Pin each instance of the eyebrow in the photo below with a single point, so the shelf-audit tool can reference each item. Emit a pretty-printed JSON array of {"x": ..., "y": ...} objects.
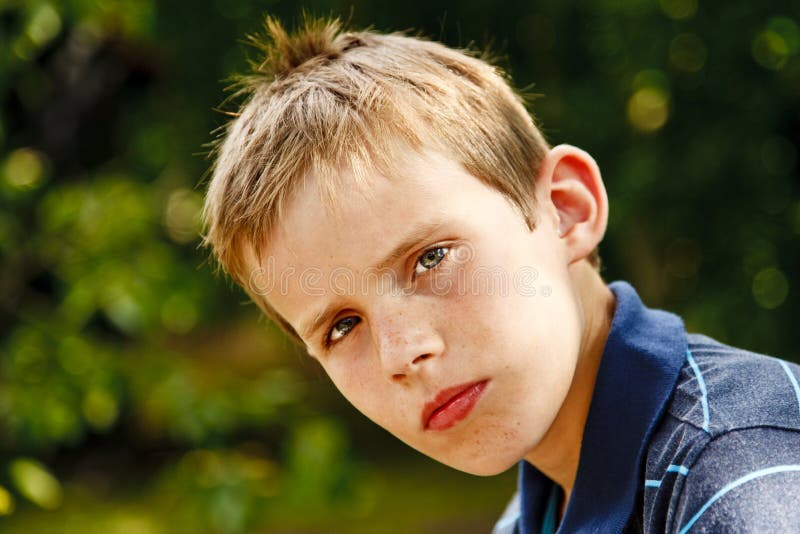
[{"x": 417, "y": 234}]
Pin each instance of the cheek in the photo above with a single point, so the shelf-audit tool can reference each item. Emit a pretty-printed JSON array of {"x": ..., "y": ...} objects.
[
  {"x": 375, "y": 399},
  {"x": 363, "y": 385},
  {"x": 465, "y": 323},
  {"x": 532, "y": 334},
  {"x": 352, "y": 381}
]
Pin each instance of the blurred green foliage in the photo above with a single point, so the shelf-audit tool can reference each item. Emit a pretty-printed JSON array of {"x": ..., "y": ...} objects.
[{"x": 138, "y": 395}]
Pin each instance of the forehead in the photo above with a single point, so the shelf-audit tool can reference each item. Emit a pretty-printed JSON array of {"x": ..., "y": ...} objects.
[{"x": 354, "y": 218}]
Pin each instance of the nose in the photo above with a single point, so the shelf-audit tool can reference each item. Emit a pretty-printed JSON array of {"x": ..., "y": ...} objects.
[{"x": 406, "y": 340}]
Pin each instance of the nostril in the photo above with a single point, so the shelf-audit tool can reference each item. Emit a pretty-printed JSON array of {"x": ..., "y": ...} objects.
[{"x": 421, "y": 358}]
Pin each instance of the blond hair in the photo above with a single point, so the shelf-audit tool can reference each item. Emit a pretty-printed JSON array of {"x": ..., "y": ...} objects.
[{"x": 324, "y": 100}]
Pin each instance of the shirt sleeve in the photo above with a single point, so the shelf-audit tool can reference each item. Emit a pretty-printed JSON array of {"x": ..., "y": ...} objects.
[{"x": 744, "y": 481}]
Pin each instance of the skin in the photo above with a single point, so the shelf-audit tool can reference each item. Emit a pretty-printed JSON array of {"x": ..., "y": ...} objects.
[{"x": 393, "y": 351}]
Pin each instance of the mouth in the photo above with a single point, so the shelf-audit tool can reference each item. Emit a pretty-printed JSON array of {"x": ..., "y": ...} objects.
[{"x": 451, "y": 405}]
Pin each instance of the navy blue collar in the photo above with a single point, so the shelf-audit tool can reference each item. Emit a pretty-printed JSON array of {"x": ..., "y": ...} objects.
[{"x": 640, "y": 365}]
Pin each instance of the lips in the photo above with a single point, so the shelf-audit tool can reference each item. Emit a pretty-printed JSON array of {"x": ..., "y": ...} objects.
[{"x": 451, "y": 405}]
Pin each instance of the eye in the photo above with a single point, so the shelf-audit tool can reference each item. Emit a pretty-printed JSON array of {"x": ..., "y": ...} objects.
[
  {"x": 430, "y": 259},
  {"x": 340, "y": 329}
]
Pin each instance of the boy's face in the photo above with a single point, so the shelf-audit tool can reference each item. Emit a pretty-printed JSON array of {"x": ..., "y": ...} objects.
[{"x": 468, "y": 354}]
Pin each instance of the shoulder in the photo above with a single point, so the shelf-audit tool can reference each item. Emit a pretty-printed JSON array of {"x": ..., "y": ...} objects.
[
  {"x": 722, "y": 388},
  {"x": 728, "y": 445}
]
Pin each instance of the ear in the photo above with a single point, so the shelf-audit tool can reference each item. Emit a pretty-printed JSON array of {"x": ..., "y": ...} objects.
[{"x": 569, "y": 181}]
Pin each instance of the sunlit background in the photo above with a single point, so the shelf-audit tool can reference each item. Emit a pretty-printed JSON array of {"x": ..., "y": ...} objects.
[{"x": 141, "y": 394}]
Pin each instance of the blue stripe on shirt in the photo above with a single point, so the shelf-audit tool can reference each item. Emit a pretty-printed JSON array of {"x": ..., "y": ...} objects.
[
  {"x": 736, "y": 483},
  {"x": 680, "y": 469},
  {"x": 793, "y": 381},
  {"x": 704, "y": 399}
]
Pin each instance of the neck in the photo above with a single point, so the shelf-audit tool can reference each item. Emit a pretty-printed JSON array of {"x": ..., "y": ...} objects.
[{"x": 557, "y": 454}]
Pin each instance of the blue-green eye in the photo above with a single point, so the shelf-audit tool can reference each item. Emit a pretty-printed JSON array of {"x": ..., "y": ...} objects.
[
  {"x": 341, "y": 329},
  {"x": 430, "y": 259}
]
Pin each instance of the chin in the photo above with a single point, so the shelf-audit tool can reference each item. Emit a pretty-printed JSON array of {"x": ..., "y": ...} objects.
[
  {"x": 485, "y": 467},
  {"x": 490, "y": 453}
]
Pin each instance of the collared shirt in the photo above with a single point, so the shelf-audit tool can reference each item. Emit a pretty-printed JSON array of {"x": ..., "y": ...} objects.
[{"x": 684, "y": 434}]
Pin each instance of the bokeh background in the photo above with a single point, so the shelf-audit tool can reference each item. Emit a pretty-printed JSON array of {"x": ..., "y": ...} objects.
[{"x": 139, "y": 393}]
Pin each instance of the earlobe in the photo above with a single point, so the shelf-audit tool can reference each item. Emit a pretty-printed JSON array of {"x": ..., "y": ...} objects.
[{"x": 571, "y": 179}]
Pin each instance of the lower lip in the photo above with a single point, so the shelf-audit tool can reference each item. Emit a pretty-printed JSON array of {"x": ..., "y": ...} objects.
[{"x": 456, "y": 408}]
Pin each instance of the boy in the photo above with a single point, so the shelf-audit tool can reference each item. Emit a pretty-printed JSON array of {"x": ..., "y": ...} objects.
[{"x": 390, "y": 203}]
